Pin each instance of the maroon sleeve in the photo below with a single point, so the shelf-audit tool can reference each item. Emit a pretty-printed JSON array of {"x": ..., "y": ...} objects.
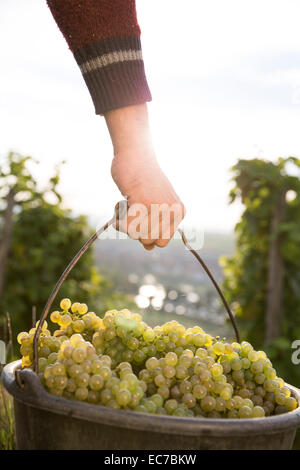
[{"x": 104, "y": 37}]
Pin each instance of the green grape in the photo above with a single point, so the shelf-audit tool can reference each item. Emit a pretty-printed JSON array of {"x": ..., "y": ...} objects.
[
  {"x": 220, "y": 404},
  {"x": 243, "y": 392},
  {"x": 181, "y": 372},
  {"x": 127, "y": 355},
  {"x": 152, "y": 363},
  {"x": 236, "y": 364},
  {"x": 164, "y": 392},
  {"x": 82, "y": 380},
  {"x": 290, "y": 403},
  {"x": 201, "y": 353},
  {"x": 148, "y": 335},
  {"x": 189, "y": 400},
  {"x": 75, "y": 339},
  {"x": 150, "y": 406},
  {"x": 171, "y": 405},
  {"x": 238, "y": 401},
  {"x": 157, "y": 399},
  {"x": 86, "y": 366},
  {"x": 230, "y": 404},
  {"x": 71, "y": 385},
  {"x": 81, "y": 394},
  {"x": 286, "y": 391},
  {"x": 245, "y": 363},
  {"x": 58, "y": 369},
  {"x": 257, "y": 400},
  {"x": 248, "y": 402},
  {"x": 169, "y": 372},
  {"x": 79, "y": 355},
  {"x": 179, "y": 412},
  {"x": 259, "y": 378},
  {"x": 219, "y": 348},
  {"x": 226, "y": 366},
  {"x": 248, "y": 374},
  {"x": 93, "y": 397},
  {"x": 256, "y": 367},
  {"x": 270, "y": 373},
  {"x": 280, "y": 398},
  {"x": 139, "y": 356},
  {"x": 123, "y": 397},
  {"x": 269, "y": 405},
  {"x": 245, "y": 412},
  {"x": 60, "y": 382},
  {"x": 250, "y": 385},
  {"x": 185, "y": 387},
  {"x": 44, "y": 351},
  {"x": 185, "y": 360},
  {"x": 105, "y": 396},
  {"x": 208, "y": 403},
  {"x": 145, "y": 375},
  {"x": 253, "y": 356},
  {"x": 78, "y": 326},
  {"x": 140, "y": 409},
  {"x": 199, "y": 391},
  {"x": 65, "y": 320},
  {"x": 233, "y": 414},
  {"x": 216, "y": 370},
  {"x": 194, "y": 379},
  {"x": 55, "y": 317},
  {"x": 205, "y": 376},
  {"x": 160, "y": 411},
  {"x": 49, "y": 382},
  {"x": 238, "y": 376},
  {"x": 159, "y": 380},
  {"x": 218, "y": 387},
  {"x": 65, "y": 304},
  {"x": 280, "y": 410},
  {"x": 105, "y": 372},
  {"x": 67, "y": 351},
  {"x": 42, "y": 362},
  {"x": 271, "y": 385},
  {"x": 226, "y": 393},
  {"x": 171, "y": 359},
  {"x": 199, "y": 340},
  {"x": 75, "y": 370}
]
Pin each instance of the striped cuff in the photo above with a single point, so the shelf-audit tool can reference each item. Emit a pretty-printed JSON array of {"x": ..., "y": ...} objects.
[{"x": 113, "y": 70}]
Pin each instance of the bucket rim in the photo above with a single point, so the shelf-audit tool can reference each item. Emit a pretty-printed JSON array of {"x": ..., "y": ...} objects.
[{"x": 35, "y": 395}]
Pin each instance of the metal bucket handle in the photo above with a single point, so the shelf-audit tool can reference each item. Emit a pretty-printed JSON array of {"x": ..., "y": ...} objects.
[{"x": 118, "y": 209}]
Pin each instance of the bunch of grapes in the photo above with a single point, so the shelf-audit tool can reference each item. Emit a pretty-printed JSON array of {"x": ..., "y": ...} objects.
[{"x": 120, "y": 362}]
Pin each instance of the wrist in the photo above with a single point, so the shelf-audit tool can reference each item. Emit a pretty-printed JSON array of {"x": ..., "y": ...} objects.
[{"x": 129, "y": 130}]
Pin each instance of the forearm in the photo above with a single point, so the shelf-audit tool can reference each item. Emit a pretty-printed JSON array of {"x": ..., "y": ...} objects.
[{"x": 104, "y": 37}]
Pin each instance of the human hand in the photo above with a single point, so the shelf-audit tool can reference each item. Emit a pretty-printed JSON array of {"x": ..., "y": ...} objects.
[{"x": 154, "y": 208}]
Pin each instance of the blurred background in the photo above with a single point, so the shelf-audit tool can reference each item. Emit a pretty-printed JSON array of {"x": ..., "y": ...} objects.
[{"x": 225, "y": 80}]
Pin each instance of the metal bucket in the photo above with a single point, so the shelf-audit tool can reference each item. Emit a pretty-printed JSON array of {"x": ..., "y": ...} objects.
[{"x": 44, "y": 421}]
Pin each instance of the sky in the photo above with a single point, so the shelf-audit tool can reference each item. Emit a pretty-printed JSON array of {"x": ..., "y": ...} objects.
[{"x": 225, "y": 80}]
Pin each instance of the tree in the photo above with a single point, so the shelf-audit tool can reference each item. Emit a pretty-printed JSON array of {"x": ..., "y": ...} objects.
[
  {"x": 262, "y": 278},
  {"x": 17, "y": 188},
  {"x": 43, "y": 238}
]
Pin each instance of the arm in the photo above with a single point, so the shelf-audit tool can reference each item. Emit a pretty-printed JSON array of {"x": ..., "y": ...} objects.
[{"x": 104, "y": 37}]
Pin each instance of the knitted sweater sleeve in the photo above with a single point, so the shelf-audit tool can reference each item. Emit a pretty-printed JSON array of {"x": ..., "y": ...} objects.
[{"x": 104, "y": 37}]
